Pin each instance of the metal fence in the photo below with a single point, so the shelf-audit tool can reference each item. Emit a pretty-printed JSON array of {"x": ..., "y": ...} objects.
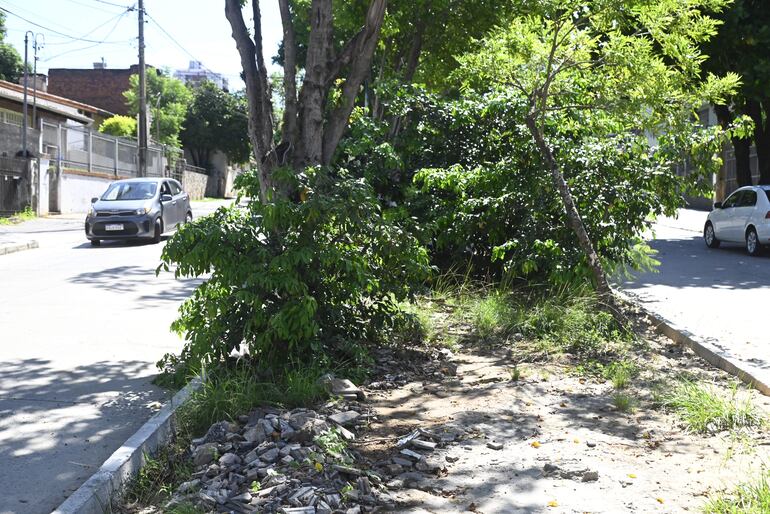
[{"x": 83, "y": 149}]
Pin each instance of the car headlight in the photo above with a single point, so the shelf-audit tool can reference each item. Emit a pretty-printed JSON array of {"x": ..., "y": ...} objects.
[
  {"x": 142, "y": 211},
  {"x": 91, "y": 211}
]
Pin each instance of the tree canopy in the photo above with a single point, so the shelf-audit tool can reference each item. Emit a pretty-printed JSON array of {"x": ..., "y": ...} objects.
[
  {"x": 123, "y": 126},
  {"x": 11, "y": 65},
  {"x": 216, "y": 120},
  {"x": 167, "y": 99}
]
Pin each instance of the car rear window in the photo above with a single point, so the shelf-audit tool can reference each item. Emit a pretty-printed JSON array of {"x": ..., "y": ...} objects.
[
  {"x": 767, "y": 192},
  {"x": 130, "y": 191}
]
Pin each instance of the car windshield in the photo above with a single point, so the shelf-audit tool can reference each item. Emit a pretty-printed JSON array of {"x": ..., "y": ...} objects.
[
  {"x": 767, "y": 192},
  {"x": 130, "y": 191}
]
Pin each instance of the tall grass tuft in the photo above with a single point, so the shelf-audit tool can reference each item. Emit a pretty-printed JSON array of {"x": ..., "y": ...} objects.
[
  {"x": 749, "y": 498},
  {"x": 703, "y": 410}
]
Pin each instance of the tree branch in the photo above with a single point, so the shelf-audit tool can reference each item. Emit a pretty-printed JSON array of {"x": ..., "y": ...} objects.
[{"x": 361, "y": 51}]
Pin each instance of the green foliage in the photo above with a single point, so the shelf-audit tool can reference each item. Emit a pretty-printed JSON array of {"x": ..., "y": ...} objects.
[
  {"x": 294, "y": 281},
  {"x": 123, "y": 126},
  {"x": 230, "y": 391},
  {"x": 11, "y": 65},
  {"x": 22, "y": 216},
  {"x": 491, "y": 315},
  {"x": 748, "y": 498},
  {"x": 216, "y": 120},
  {"x": 334, "y": 445},
  {"x": 159, "y": 477},
  {"x": 167, "y": 100},
  {"x": 704, "y": 410},
  {"x": 616, "y": 106}
]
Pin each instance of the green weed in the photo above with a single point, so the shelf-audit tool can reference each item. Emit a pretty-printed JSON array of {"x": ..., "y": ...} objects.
[
  {"x": 159, "y": 477},
  {"x": 624, "y": 402},
  {"x": 19, "y": 217},
  {"x": 491, "y": 315},
  {"x": 703, "y": 410},
  {"x": 333, "y": 444},
  {"x": 230, "y": 392},
  {"x": 748, "y": 498}
]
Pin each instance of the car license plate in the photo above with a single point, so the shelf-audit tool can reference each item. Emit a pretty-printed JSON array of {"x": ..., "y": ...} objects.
[{"x": 112, "y": 227}]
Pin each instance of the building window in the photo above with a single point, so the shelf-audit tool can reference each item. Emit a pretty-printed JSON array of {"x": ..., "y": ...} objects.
[{"x": 11, "y": 117}]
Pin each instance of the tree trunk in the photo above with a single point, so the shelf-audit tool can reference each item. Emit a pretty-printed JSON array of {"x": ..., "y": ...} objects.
[
  {"x": 760, "y": 113},
  {"x": 312, "y": 98},
  {"x": 255, "y": 77},
  {"x": 573, "y": 216},
  {"x": 289, "y": 128},
  {"x": 741, "y": 147}
]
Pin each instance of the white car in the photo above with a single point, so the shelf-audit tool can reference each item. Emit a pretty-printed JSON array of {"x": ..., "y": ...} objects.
[{"x": 744, "y": 218}]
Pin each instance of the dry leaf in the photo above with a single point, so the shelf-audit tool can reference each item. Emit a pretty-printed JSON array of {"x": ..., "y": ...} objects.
[
  {"x": 553, "y": 503},
  {"x": 576, "y": 441},
  {"x": 631, "y": 475},
  {"x": 535, "y": 444},
  {"x": 660, "y": 500}
]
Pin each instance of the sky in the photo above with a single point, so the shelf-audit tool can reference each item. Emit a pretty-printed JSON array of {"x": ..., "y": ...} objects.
[{"x": 176, "y": 32}]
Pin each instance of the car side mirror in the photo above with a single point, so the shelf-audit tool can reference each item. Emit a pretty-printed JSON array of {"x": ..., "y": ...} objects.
[
  {"x": 166, "y": 198},
  {"x": 717, "y": 205},
  {"x": 94, "y": 199}
]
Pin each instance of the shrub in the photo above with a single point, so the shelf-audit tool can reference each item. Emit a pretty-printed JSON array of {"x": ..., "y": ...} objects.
[
  {"x": 294, "y": 281},
  {"x": 124, "y": 126}
]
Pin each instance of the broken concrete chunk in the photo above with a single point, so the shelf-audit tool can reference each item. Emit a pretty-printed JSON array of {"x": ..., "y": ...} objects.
[
  {"x": 341, "y": 387},
  {"x": 423, "y": 445},
  {"x": 411, "y": 454},
  {"x": 494, "y": 445},
  {"x": 345, "y": 418}
]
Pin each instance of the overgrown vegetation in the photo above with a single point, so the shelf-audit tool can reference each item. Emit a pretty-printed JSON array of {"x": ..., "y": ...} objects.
[
  {"x": 25, "y": 215},
  {"x": 706, "y": 411}
]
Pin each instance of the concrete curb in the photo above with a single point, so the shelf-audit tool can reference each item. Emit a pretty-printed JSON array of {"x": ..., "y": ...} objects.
[
  {"x": 96, "y": 494},
  {"x": 5, "y": 249},
  {"x": 702, "y": 348}
]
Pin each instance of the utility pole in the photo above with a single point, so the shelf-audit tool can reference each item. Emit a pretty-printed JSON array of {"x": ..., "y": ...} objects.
[
  {"x": 142, "y": 97},
  {"x": 24, "y": 113},
  {"x": 36, "y": 46}
]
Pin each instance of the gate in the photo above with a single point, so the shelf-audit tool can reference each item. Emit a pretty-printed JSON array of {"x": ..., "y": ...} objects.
[{"x": 15, "y": 184}]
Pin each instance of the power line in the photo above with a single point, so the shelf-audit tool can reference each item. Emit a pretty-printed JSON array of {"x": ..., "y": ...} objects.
[
  {"x": 90, "y": 6},
  {"x": 115, "y": 26},
  {"x": 118, "y": 18},
  {"x": 177, "y": 43},
  {"x": 110, "y": 3},
  {"x": 74, "y": 38}
]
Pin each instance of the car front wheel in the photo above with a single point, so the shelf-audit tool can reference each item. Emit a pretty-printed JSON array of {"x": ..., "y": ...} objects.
[
  {"x": 95, "y": 242},
  {"x": 709, "y": 236},
  {"x": 158, "y": 231},
  {"x": 753, "y": 247}
]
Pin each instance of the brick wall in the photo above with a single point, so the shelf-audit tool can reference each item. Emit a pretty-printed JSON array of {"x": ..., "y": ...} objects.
[{"x": 101, "y": 88}]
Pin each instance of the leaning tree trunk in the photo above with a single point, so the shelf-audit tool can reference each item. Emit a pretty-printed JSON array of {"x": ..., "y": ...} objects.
[{"x": 573, "y": 216}]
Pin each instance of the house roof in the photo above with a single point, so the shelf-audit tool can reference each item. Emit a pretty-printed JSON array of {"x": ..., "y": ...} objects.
[{"x": 57, "y": 104}]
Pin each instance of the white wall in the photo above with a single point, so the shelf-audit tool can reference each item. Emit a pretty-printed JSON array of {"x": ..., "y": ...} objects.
[{"x": 76, "y": 191}]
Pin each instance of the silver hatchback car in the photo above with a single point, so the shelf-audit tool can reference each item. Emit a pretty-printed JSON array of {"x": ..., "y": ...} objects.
[{"x": 137, "y": 208}]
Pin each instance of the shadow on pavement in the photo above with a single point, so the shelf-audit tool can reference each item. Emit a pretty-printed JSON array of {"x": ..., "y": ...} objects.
[
  {"x": 130, "y": 279},
  {"x": 687, "y": 262},
  {"x": 57, "y": 426}
]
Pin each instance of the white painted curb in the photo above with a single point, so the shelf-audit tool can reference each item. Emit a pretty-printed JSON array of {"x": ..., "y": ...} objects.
[
  {"x": 96, "y": 494},
  {"x": 13, "y": 248},
  {"x": 701, "y": 347}
]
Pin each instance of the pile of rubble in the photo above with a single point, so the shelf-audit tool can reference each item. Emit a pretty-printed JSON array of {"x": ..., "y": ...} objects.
[{"x": 303, "y": 461}]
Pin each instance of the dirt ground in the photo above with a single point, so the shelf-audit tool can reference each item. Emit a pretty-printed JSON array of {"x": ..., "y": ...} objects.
[{"x": 565, "y": 446}]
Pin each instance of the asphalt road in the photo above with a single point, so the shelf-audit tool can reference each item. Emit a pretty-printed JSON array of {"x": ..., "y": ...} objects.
[
  {"x": 721, "y": 295},
  {"x": 81, "y": 329}
]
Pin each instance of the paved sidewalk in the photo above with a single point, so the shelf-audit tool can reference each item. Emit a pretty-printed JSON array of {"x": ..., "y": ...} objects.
[{"x": 717, "y": 295}]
